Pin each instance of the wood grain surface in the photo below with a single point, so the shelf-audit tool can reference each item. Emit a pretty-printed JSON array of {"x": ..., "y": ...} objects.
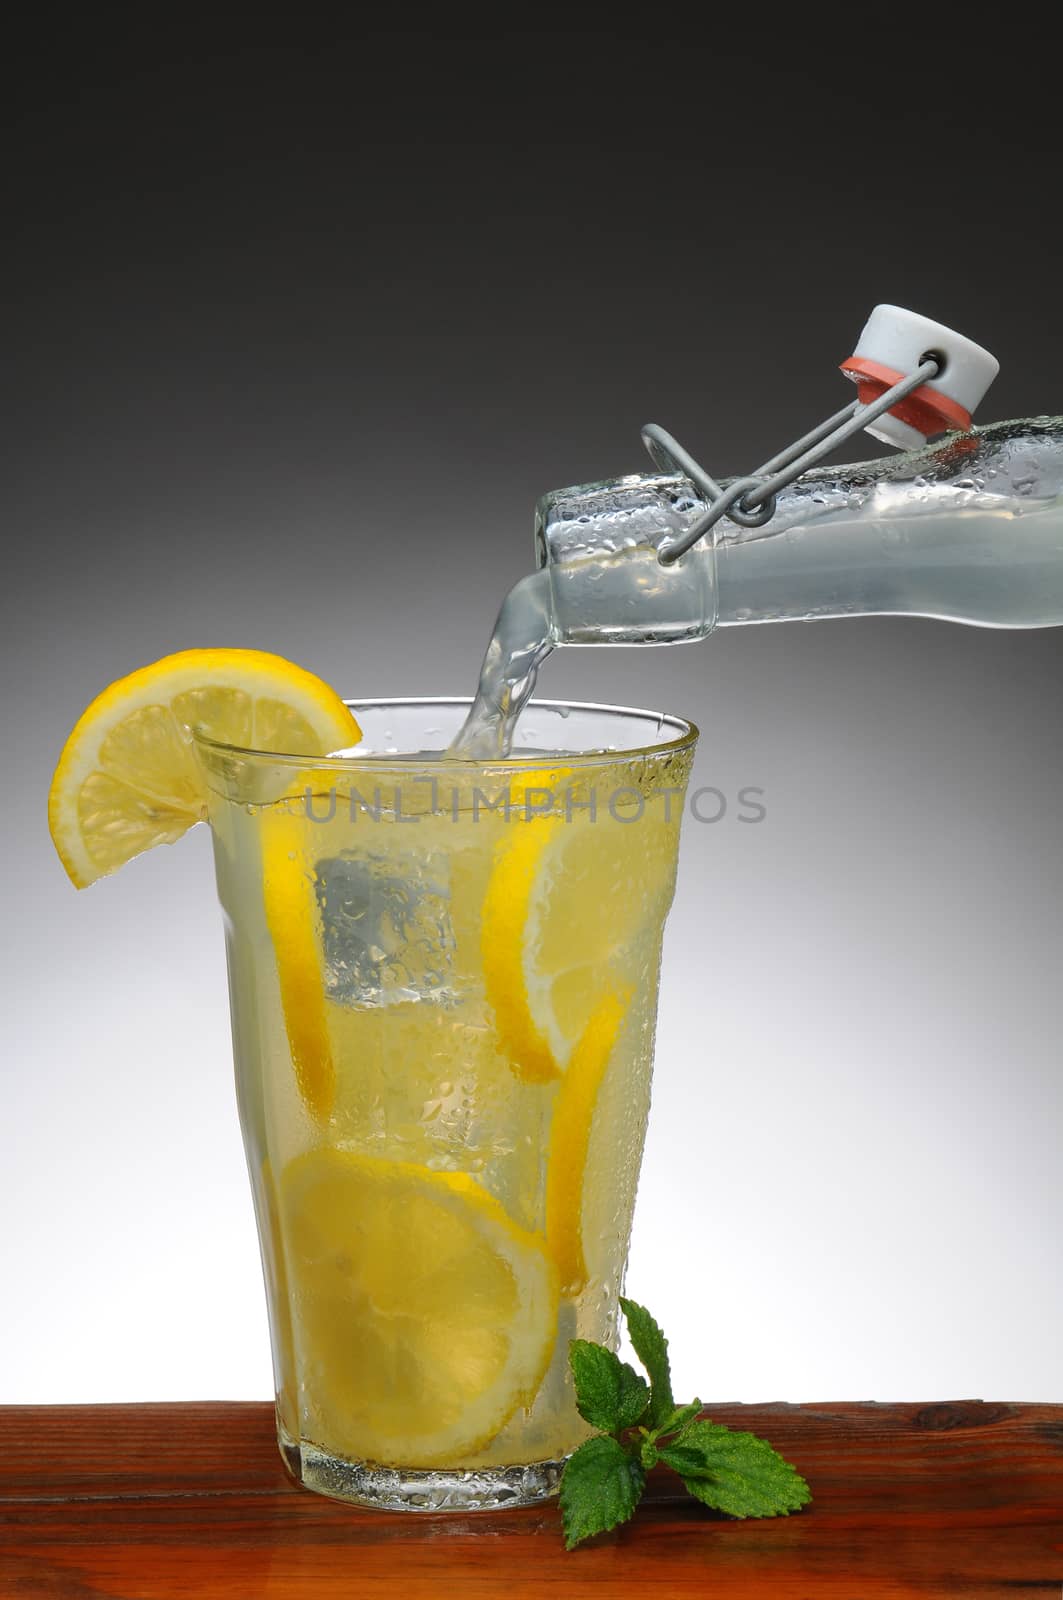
[{"x": 167, "y": 1502}]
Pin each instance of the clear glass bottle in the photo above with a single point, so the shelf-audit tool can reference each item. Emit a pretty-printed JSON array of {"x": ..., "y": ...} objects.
[{"x": 969, "y": 529}]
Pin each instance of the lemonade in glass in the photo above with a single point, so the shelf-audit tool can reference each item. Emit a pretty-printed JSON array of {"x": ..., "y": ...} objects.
[{"x": 443, "y": 978}]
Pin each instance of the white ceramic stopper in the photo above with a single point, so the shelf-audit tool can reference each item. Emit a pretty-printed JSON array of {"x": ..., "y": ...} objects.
[{"x": 894, "y": 343}]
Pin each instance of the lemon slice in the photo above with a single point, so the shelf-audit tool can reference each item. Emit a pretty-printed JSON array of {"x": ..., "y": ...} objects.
[
  {"x": 564, "y": 902},
  {"x": 293, "y": 919},
  {"x": 128, "y": 778},
  {"x": 424, "y": 1317},
  {"x": 570, "y": 1136}
]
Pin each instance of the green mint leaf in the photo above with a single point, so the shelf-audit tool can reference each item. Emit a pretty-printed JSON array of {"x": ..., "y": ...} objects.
[
  {"x": 648, "y": 1454},
  {"x": 685, "y": 1459},
  {"x": 698, "y": 1435},
  {"x": 610, "y": 1395},
  {"x": 651, "y": 1347},
  {"x": 600, "y": 1488},
  {"x": 736, "y": 1472},
  {"x": 678, "y": 1419}
]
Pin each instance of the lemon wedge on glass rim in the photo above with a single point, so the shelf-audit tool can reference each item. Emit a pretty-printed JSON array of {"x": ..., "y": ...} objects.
[{"x": 128, "y": 778}]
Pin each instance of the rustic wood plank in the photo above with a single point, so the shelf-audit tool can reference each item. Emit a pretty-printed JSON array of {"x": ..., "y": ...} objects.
[{"x": 163, "y": 1502}]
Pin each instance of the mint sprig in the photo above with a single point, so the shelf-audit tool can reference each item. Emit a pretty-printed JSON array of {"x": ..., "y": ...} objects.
[
  {"x": 651, "y": 1347},
  {"x": 640, "y": 1425}
]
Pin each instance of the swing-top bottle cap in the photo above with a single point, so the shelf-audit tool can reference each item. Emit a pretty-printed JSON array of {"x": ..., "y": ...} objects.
[{"x": 894, "y": 344}]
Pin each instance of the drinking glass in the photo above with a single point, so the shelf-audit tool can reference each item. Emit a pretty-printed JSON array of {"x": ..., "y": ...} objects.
[{"x": 443, "y": 980}]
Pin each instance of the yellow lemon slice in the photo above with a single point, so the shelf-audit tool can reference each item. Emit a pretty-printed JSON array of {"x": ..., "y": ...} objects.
[
  {"x": 293, "y": 919},
  {"x": 128, "y": 778},
  {"x": 570, "y": 1133},
  {"x": 565, "y": 900},
  {"x": 507, "y": 914},
  {"x": 423, "y": 1316},
  {"x": 573, "y": 907}
]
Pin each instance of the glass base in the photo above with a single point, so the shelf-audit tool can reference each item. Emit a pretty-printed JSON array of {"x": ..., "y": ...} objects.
[{"x": 416, "y": 1488}]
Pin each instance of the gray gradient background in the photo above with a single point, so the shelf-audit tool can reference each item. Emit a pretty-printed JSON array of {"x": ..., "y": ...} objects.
[{"x": 299, "y": 329}]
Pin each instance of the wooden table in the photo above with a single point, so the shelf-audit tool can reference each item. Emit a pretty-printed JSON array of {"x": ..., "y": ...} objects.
[{"x": 157, "y": 1502}]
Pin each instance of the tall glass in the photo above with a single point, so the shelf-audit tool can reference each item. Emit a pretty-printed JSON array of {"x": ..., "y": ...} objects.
[{"x": 443, "y": 979}]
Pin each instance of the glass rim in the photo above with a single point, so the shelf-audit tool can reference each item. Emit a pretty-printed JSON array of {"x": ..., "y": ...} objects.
[{"x": 687, "y": 734}]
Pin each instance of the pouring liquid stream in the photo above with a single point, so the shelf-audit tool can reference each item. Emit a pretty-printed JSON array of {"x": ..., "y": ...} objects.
[{"x": 522, "y": 640}]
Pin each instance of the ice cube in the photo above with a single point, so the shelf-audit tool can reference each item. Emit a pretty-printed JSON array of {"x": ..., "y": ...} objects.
[{"x": 387, "y": 933}]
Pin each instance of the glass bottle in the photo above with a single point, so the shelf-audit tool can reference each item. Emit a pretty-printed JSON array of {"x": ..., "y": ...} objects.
[{"x": 969, "y": 529}]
